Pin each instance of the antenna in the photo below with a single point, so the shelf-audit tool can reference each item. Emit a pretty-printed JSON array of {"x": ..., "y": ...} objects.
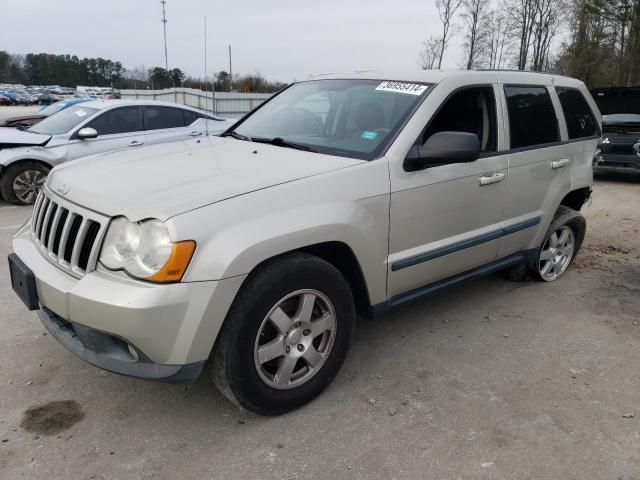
[
  {"x": 206, "y": 88},
  {"x": 230, "y": 69},
  {"x": 164, "y": 26}
]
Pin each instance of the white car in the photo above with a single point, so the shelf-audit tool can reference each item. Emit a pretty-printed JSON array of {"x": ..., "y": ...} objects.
[{"x": 26, "y": 157}]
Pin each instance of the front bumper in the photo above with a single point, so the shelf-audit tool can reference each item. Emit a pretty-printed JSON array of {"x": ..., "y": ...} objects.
[
  {"x": 171, "y": 328},
  {"x": 106, "y": 351},
  {"x": 621, "y": 162}
]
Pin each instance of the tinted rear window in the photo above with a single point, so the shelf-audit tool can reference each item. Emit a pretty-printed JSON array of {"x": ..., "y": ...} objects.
[
  {"x": 581, "y": 122},
  {"x": 156, "y": 118},
  {"x": 532, "y": 119}
]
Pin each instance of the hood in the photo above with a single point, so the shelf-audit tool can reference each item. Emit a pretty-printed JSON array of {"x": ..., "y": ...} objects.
[
  {"x": 19, "y": 118},
  {"x": 164, "y": 180},
  {"x": 11, "y": 137}
]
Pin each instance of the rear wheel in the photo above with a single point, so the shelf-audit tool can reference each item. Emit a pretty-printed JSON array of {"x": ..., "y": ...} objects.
[
  {"x": 21, "y": 183},
  {"x": 286, "y": 335},
  {"x": 560, "y": 246}
]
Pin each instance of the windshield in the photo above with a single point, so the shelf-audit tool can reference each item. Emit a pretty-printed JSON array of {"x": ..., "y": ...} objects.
[
  {"x": 621, "y": 118},
  {"x": 53, "y": 108},
  {"x": 353, "y": 118},
  {"x": 63, "y": 121}
]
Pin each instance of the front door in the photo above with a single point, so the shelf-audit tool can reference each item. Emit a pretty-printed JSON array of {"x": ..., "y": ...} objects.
[
  {"x": 117, "y": 128},
  {"x": 448, "y": 219}
]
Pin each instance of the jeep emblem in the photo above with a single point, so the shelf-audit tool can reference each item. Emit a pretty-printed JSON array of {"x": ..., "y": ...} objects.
[{"x": 63, "y": 189}]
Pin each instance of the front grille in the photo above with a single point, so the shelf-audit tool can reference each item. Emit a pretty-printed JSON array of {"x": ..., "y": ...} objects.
[{"x": 67, "y": 235}]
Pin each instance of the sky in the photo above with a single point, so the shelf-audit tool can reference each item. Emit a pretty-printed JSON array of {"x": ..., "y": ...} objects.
[{"x": 283, "y": 40}]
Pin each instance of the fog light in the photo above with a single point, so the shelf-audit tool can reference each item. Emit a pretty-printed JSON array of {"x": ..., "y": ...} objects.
[{"x": 133, "y": 353}]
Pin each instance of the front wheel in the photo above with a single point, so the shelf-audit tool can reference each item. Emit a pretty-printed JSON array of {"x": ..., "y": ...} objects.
[
  {"x": 21, "y": 183},
  {"x": 286, "y": 335}
]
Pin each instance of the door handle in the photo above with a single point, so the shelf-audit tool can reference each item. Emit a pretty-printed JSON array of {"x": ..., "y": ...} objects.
[
  {"x": 195, "y": 134},
  {"x": 136, "y": 143},
  {"x": 560, "y": 163},
  {"x": 491, "y": 178}
]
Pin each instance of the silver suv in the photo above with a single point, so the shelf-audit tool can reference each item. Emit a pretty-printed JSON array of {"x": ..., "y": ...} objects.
[{"x": 340, "y": 196}]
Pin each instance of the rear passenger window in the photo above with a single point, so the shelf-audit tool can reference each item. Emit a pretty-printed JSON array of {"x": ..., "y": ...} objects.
[
  {"x": 189, "y": 117},
  {"x": 532, "y": 118},
  {"x": 156, "y": 118},
  {"x": 581, "y": 121}
]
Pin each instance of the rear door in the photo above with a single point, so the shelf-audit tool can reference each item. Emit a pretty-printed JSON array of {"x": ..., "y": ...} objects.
[
  {"x": 117, "y": 128},
  {"x": 539, "y": 164},
  {"x": 168, "y": 124}
]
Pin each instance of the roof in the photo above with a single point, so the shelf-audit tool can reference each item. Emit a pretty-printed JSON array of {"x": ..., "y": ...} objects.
[
  {"x": 104, "y": 104},
  {"x": 438, "y": 76}
]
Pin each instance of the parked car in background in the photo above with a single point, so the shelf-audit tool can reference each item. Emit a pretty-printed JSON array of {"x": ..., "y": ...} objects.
[
  {"x": 620, "y": 129},
  {"x": 350, "y": 193},
  {"x": 29, "y": 119},
  {"x": 4, "y": 100},
  {"x": 90, "y": 128}
]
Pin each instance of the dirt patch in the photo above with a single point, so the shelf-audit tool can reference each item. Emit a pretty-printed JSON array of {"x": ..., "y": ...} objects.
[
  {"x": 600, "y": 257},
  {"x": 52, "y": 417}
]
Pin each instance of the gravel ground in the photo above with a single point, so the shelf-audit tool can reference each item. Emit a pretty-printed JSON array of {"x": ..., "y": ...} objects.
[{"x": 490, "y": 380}]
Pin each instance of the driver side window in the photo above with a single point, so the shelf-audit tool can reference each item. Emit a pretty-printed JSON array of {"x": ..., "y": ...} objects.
[
  {"x": 472, "y": 110},
  {"x": 119, "y": 120}
]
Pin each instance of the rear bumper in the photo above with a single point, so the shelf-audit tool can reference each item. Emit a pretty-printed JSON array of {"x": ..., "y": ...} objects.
[{"x": 114, "y": 354}]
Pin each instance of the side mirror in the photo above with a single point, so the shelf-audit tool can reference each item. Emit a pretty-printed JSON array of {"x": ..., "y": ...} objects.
[
  {"x": 444, "y": 148},
  {"x": 87, "y": 132}
]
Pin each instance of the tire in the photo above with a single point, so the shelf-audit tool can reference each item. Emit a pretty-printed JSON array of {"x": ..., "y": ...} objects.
[
  {"x": 565, "y": 220},
  {"x": 237, "y": 367},
  {"x": 35, "y": 173}
]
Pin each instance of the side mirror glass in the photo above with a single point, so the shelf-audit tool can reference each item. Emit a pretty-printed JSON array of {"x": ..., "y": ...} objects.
[
  {"x": 444, "y": 148},
  {"x": 87, "y": 132}
]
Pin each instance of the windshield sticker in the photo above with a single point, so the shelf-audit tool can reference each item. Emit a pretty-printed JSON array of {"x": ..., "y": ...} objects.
[
  {"x": 369, "y": 135},
  {"x": 401, "y": 87},
  {"x": 81, "y": 113}
]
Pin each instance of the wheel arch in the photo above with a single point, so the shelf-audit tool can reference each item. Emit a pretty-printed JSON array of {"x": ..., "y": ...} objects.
[{"x": 576, "y": 199}]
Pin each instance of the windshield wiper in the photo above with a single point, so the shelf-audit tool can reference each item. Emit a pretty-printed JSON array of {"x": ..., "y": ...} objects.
[
  {"x": 237, "y": 136},
  {"x": 281, "y": 142}
]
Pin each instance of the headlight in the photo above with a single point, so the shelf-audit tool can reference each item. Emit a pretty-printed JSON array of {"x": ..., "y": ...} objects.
[{"x": 144, "y": 250}]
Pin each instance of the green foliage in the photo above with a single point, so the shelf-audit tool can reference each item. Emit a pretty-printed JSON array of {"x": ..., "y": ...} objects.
[{"x": 65, "y": 70}]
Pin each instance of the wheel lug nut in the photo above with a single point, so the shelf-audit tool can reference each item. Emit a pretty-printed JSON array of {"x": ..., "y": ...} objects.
[
  {"x": 288, "y": 349},
  {"x": 300, "y": 347},
  {"x": 306, "y": 332}
]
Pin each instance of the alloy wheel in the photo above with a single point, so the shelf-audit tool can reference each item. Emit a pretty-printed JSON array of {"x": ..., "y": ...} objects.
[
  {"x": 556, "y": 253},
  {"x": 295, "y": 339},
  {"x": 27, "y": 185}
]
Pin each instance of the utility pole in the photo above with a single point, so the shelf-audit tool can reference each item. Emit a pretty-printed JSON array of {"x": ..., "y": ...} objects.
[
  {"x": 230, "y": 69},
  {"x": 164, "y": 25}
]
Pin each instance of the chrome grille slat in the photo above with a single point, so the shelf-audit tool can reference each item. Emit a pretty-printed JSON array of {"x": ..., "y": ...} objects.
[
  {"x": 54, "y": 229},
  {"x": 45, "y": 221},
  {"x": 43, "y": 208},
  {"x": 75, "y": 251},
  {"x": 69, "y": 236}
]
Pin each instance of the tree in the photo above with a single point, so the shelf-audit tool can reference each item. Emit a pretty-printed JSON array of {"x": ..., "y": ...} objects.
[
  {"x": 477, "y": 29},
  {"x": 429, "y": 54},
  {"x": 499, "y": 40},
  {"x": 446, "y": 10}
]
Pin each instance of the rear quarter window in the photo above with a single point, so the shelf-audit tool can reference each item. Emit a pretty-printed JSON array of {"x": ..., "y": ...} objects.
[
  {"x": 581, "y": 122},
  {"x": 532, "y": 118}
]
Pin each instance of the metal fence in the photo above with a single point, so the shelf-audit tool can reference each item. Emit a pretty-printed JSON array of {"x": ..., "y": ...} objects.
[{"x": 221, "y": 103}]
